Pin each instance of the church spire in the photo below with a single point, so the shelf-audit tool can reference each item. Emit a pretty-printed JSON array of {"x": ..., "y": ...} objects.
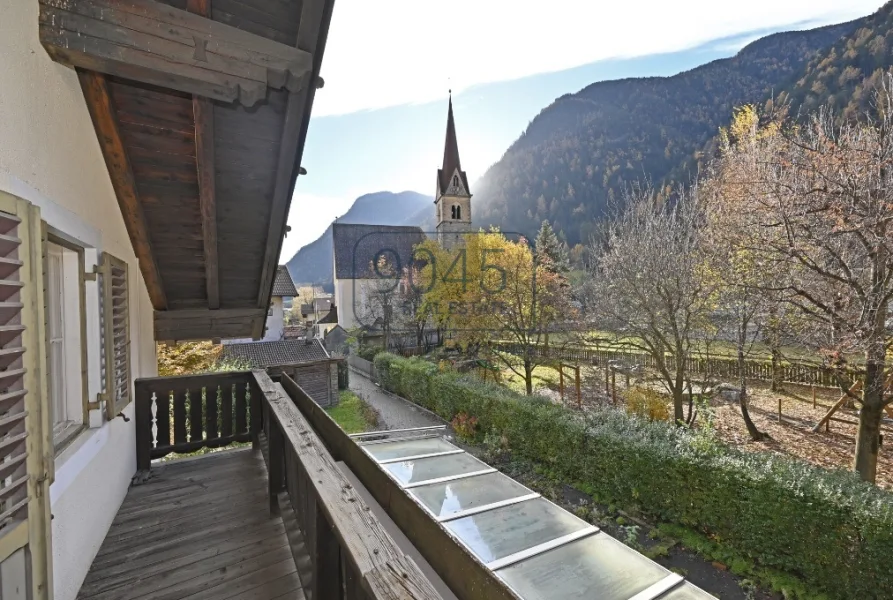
[
  {"x": 451, "y": 164},
  {"x": 451, "y": 146}
]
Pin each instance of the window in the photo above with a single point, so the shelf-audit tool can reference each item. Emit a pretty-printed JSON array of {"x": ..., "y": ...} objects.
[
  {"x": 455, "y": 181},
  {"x": 64, "y": 333},
  {"x": 114, "y": 325}
]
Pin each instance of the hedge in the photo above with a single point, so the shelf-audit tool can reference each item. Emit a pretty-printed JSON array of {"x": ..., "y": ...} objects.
[{"x": 829, "y": 528}]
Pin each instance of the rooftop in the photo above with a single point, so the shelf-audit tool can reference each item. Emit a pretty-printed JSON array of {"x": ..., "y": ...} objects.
[
  {"x": 276, "y": 353},
  {"x": 358, "y": 246},
  {"x": 284, "y": 285}
]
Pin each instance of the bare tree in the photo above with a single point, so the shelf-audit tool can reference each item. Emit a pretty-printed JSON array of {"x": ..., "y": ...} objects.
[
  {"x": 649, "y": 285},
  {"x": 817, "y": 201}
]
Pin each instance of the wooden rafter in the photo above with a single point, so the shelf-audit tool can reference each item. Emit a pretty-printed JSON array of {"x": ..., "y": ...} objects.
[
  {"x": 203, "y": 324},
  {"x": 203, "y": 110},
  {"x": 99, "y": 103},
  {"x": 311, "y": 33},
  {"x": 154, "y": 43}
]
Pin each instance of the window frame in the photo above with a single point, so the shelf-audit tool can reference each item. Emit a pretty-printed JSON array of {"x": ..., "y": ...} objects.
[{"x": 63, "y": 438}]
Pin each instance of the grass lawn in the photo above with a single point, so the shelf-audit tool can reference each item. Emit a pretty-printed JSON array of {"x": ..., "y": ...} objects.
[{"x": 352, "y": 414}]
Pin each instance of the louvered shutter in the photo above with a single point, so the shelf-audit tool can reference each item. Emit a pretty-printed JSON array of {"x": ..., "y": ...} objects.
[
  {"x": 115, "y": 329},
  {"x": 26, "y": 469}
]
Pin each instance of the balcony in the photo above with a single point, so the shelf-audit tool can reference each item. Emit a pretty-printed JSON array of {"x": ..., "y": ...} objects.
[{"x": 238, "y": 522}]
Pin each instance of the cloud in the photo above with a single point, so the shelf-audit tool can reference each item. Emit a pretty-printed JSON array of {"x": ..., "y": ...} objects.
[{"x": 393, "y": 52}]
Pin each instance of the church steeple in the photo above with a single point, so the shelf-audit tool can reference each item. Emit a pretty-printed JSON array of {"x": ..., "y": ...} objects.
[
  {"x": 451, "y": 164},
  {"x": 453, "y": 198}
]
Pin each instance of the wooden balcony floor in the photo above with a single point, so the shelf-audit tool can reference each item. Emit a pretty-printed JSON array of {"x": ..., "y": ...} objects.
[{"x": 199, "y": 529}]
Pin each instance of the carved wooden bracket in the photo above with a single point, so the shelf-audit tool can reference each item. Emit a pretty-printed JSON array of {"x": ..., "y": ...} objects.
[{"x": 154, "y": 43}]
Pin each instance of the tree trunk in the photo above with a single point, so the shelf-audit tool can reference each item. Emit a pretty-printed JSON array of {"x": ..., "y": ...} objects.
[
  {"x": 868, "y": 438},
  {"x": 774, "y": 349},
  {"x": 528, "y": 375},
  {"x": 679, "y": 401},
  {"x": 755, "y": 434}
]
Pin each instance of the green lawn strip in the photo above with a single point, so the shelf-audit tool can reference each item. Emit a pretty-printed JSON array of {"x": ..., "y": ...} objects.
[{"x": 351, "y": 413}]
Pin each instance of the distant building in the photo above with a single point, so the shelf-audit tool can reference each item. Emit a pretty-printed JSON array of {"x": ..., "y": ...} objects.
[
  {"x": 453, "y": 198},
  {"x": 356, "y": 248},
  {"x": 305, "y": 361},
  {"x": 283, "y": 289}
]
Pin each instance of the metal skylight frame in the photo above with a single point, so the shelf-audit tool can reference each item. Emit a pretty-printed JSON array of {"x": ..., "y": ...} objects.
[{"x": 670, "y": 582}]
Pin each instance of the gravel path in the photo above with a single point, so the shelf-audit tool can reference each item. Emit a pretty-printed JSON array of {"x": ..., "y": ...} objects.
[{"x": 393, "y": 412}]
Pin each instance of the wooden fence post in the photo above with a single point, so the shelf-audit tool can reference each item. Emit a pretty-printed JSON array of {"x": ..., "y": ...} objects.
[
  {"x": 613, "y": 388},
  {"x": 579, "y": 396},
  {"x": 779, "y": 409},
  {"x": 813, "y": 395},
  {"x": 326, "y": 579}
]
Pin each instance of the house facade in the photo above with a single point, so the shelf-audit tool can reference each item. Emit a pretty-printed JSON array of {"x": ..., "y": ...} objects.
[
  {"x": 274, "y": 327},
  {"x": 109, "y": 224}
]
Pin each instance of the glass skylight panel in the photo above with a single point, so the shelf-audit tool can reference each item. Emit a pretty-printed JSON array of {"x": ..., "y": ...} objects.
[
  {"x": 406, "y": 448},
  {"x": 452, "y": 497},
  {"x": 687, "y": 591},
  {"x": 415, "y": 470},
  {"x": 597, "y": 566},
  {"x": 500, "y": 532}
]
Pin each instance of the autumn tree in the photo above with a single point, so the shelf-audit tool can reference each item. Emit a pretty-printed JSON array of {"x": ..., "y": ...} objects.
[
  {"x": 648, "y": 285},
  {"x": 492, "y": 289},
  {"x": 817, "y": 200}
]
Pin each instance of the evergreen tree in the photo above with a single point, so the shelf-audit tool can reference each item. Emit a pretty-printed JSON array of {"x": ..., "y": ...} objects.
[{"x": 552, "y": 252}]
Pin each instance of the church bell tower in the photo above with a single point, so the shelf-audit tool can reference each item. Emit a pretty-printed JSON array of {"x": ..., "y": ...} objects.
[{"x": 453, "y": 198}]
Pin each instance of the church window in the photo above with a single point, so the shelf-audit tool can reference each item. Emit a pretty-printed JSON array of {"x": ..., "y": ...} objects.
[
  {"x": 455, "y": 181},
  {"x": 458, "y": 212}
]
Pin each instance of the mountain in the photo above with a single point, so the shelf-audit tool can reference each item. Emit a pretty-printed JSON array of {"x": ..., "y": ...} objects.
[
  {"x": 313, "y": 263},
  {"x": 581, "y": 151},
  {"x": 845, "y": 74}
]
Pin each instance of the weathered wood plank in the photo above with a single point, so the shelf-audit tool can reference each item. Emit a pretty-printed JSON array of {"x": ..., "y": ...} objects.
[
  {"x": 151, "y": 42},
  {"x": 204, "y": 144},
  {"x": 99, "y": 104},
  {"x": 315, "y": 16},
  {"x": 362, "y": 538}
]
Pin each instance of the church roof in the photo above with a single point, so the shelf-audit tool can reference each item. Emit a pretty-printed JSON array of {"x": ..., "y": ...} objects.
[
  {"x": 283, "y": 284},
  {"x": 356, "y": 247},
  {"x": 451, "y": 155}
]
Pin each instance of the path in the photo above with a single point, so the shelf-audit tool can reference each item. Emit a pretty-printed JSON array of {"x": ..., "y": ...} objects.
[{"x": 393, "y": 412}]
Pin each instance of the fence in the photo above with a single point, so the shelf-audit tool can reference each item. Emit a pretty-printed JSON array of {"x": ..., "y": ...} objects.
[
  {"x": 798, "y": 373},
  {"x": 362, "y": 365}
]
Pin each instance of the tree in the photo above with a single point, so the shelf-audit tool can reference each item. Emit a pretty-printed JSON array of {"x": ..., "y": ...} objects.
[
  {"x": 379, "y": 306},
  {"x": 649, "y": 284},
  {"x": 551, "y": 252},
  {"x": 492, "y": 289},
  {"x": 186, "y": 358},
  {"x": 817, "y": 201}
]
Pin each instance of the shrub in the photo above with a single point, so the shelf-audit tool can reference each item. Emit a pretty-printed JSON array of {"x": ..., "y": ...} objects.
[
  {"x": 647, "y": 403},
  {"x": 827, "y": 527},
  {"x": 343, "y": 375}
]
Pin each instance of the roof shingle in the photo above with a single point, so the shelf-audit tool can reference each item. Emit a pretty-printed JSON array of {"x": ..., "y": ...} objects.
[
  {"x": 357, "y": 246},
  {"x": 275, "y": 354},
  {"x": 283, "y": 285}
]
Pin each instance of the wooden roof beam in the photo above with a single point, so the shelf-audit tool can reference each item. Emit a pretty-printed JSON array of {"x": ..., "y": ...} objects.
[
  {"x": 312, "y": 31},
  {"x": 204, "y": 324},
  {"x": 154, "y": 43},
  {"x": 203, "y": 110},
  {"x": 99, "y": 103}
]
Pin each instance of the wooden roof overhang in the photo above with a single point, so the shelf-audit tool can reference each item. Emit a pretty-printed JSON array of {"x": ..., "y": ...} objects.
[{"x": 201, "y": 110}]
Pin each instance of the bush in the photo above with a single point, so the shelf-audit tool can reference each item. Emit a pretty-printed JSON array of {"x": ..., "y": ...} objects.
[
  {"x": 647, "y": 403},
  {"x": 827, "y": 527}
]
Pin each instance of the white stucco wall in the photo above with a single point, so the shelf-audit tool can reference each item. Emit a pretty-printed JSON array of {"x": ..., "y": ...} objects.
[
  {"x": 344, "y": 300},
  {"x": 49, "y": 155},
  {"x": 275, "y": 320}
]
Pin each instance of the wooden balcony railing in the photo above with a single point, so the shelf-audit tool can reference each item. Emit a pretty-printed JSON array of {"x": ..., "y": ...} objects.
[
  {"x": 351, "y": 555},
  {"x": 187, "y": 413}
]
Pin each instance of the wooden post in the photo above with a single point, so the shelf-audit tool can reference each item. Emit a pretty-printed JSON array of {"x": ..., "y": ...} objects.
[
  {"x": 275, "y": 475},
  {"x": 579, "y": 396},
  {"x": 326, "y": 578},
  {"x": 607, "y": 379},
  {"x": 626, "y": 376},
  {"x": 143, "y": 418},
  {"x": 613, "y": 388},
  {"x": 561, "y": 380},
  {"x": 813, "y": 395},
  {"x": 779, "y": 409}
]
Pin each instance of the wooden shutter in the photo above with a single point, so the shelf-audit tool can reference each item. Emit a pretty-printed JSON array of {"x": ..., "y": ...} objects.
[
  {"x": 115, "y": 329},
  {"x": 26, "y": 450}
]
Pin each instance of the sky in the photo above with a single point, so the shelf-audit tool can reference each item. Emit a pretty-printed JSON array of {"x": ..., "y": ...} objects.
[{"x": 378, "y": 122}]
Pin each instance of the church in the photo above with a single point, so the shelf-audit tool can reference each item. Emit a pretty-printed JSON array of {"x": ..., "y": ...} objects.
[{"x": 356, "y": 247}]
